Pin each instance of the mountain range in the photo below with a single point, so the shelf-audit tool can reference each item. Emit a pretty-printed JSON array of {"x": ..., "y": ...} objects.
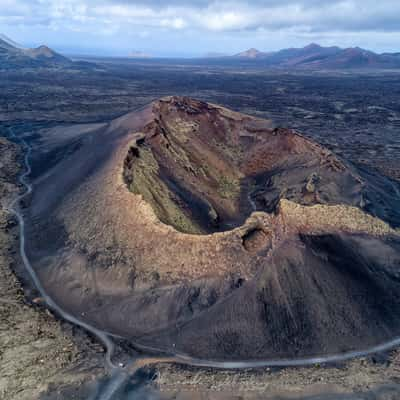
[
  {"x": 315, "y": 56},
  {"x": 12, "y": 56}
]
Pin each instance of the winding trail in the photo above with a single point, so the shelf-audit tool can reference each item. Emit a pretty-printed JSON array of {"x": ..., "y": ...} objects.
[
  {"x": 121, "y": 374},
  {"x": 13, "y": 208}
]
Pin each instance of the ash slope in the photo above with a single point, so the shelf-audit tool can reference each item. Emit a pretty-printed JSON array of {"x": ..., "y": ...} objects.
[{"x": 190, "y": 227}]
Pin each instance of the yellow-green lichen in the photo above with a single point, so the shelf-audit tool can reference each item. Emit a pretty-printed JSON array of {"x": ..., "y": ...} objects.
[{"x": 146, "y": 181}]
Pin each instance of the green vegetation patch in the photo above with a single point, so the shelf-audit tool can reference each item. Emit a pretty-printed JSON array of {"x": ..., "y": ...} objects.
[
  {"x": 146, "y": 181},
  {"x": 228, "y": 188}
]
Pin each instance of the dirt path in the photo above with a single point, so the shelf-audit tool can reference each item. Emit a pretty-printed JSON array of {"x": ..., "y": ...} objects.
[{"x": 37, "y": 353}]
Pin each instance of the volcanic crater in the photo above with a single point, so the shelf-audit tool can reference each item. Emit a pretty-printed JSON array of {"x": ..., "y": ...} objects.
[
  {"x": 205, "y": 169},
  {"x": 189, "y": 227}
]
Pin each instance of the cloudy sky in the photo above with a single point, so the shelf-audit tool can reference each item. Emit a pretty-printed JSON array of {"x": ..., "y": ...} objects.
[{"x": 195, "y": 27}]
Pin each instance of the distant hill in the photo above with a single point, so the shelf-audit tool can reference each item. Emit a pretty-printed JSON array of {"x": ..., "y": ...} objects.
[
  {"x": 315, "y": 56},
  {"x": 139, "y": 54},
  {"x": 13, "y": 56},
  {"x": 251, "y": 53}
]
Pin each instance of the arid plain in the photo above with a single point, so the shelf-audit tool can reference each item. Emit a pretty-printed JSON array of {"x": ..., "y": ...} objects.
[{"x": 354, "y": 115}]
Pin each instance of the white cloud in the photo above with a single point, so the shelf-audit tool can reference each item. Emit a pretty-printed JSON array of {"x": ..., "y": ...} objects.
[
  {"x": 145, "y": 18},
  {"x": 175, "y": 23},
  {"x": 225, "y": 20},
  {"x": 222, "y": 15}
]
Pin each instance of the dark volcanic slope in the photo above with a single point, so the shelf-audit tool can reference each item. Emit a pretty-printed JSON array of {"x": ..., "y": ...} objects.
[
  {"x": 312, "y": 271},
  {"x": 318, "y": 294}
]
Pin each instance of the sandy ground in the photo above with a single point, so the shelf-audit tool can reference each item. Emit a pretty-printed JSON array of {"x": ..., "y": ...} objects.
[
  {"x": 37, "y": 353},
  {"x": 361, "y": 375}
]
